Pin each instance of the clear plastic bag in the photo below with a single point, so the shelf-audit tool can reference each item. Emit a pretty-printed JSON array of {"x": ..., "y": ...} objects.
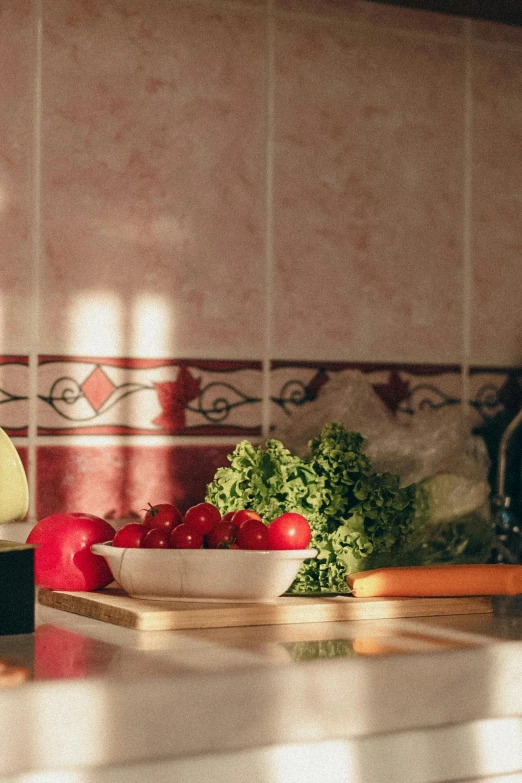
[
  {"x": 436, "y": 450},
  {"x": 435, "y": 441}
]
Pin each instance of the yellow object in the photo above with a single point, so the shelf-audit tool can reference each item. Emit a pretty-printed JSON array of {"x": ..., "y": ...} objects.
[{"x": 14, "y": 492}]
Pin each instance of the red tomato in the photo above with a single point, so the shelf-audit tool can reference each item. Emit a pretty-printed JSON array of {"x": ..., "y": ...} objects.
[
  {"x": 289, "y": 531},
  {"x": 203, "y": 517},
  {"x": 253, "y": 534},
  {"x": 64, "y": 560},
  {"x": 228, "y": 516},
  {"x": 163, "y": 515},
  {"x": 186, "y": 537},
  {"x": 156, "y": 538},
  {"x": 222, "y": 535},
  {"x": 129, "y": 535},
  {"x": 244, "y": 514}
]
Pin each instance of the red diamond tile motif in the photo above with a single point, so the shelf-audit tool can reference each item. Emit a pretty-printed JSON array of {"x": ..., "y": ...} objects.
[{"x": 97, "y": 388}]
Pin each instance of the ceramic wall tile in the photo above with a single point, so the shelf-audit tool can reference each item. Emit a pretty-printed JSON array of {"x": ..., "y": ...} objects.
[
  {"x": 119, "y": 481},
  {"x": 153, "y": 179},
  {"x": 17, "y": 74},
  {"x": 124, "y": 396},
  {"x": 381, "y": 14},
  {"x": 496, "y": 327},
  {"x": 14, "y": 383},
  {"x": 368, "y": 209}
]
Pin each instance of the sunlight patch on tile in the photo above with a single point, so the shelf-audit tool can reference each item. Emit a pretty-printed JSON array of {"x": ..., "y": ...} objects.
[{"x": 97, "y": 324}]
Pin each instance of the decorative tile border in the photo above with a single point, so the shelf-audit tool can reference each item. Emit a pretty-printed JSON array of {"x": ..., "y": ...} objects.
[
  {"x": 493, "y": 390},
  {"x": 405, "y": 389},
  {"x": 98, "y": 396},
  {"x": 14, "y": 411},
  {"x": 79, "y": 395},
  {"x": 87, "y": 395}
]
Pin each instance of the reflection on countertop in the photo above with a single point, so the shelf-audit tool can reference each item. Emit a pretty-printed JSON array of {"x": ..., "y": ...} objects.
[
  {"x": 67, "y": 646},
  {"x": 434, "y": 692}
]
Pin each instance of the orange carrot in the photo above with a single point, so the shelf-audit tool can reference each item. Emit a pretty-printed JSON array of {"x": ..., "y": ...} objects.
[{"x": 438, "y": 580}]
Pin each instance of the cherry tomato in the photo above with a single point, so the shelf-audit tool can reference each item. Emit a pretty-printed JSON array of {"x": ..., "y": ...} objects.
[
  {"x": 222, "y": 535},
  {"x": 203, "y": 517},
  {"x": 163, "y": 515},
  {"x": 186, "y": 537},
  {"x": 130, "y": 535},
  {"x": 253, "y": 534},
  {"x": 64, "y": 560},
  {"x": 244, "y": 514},
  {"x": 228, "y": 516},
  {"x": 289, "y": 531},
  {"x": 155, "y": 538}
]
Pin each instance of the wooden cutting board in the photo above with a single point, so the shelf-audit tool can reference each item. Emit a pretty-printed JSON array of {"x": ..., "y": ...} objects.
[{"x": 113, "y": 605}]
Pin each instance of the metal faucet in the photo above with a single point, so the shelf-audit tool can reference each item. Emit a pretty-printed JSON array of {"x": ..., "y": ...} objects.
[{"x": 509, "y": 534}]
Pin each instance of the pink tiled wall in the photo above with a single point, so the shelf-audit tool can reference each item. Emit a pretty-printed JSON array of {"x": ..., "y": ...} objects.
[{"x": 206, "y": 208}]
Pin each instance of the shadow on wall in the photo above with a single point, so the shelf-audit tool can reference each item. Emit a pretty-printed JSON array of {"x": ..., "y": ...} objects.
[{"x": 119, "y": 481}]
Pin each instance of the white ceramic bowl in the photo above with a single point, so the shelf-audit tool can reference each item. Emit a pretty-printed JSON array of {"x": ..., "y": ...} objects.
[{"x": 203, "y": 574}]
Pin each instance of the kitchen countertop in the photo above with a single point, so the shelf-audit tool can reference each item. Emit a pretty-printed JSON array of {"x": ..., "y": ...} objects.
[{"x": 357, "y": 700}]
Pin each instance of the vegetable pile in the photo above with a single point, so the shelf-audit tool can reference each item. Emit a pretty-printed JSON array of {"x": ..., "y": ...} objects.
[
  {"x": 359, "y": 519},
  {"x": 332, "y": 500}
]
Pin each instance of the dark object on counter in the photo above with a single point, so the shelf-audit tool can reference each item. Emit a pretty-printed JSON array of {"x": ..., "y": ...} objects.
[{"x": 16, "y": 588}]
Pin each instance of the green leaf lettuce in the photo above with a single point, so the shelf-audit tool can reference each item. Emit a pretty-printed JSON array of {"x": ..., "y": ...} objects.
[{"x": 358, "y": 517}]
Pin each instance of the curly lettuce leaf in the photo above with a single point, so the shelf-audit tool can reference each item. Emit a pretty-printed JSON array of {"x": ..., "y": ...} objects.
[
  {"x": 268, "y": 480},
  {"x": 352, "y": 511},
  {"x": 365, "y": 515}
]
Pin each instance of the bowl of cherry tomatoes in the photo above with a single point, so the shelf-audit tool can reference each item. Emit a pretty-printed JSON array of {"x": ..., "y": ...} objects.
[{"x": 203, "y": 555}]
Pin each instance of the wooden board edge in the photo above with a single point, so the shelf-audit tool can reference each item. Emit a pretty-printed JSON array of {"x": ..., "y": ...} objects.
[
  {"x": 228, "y": 616},
  {"x": 209, "y": 618},
  {"x": 68, "y": 602}
]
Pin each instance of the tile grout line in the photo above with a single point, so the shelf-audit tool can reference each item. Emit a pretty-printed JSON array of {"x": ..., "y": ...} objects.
[
  {"x": 35, "y": 260},
  {"x": 467, "y": 269},
  {"x": 269, "y": 234}
]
